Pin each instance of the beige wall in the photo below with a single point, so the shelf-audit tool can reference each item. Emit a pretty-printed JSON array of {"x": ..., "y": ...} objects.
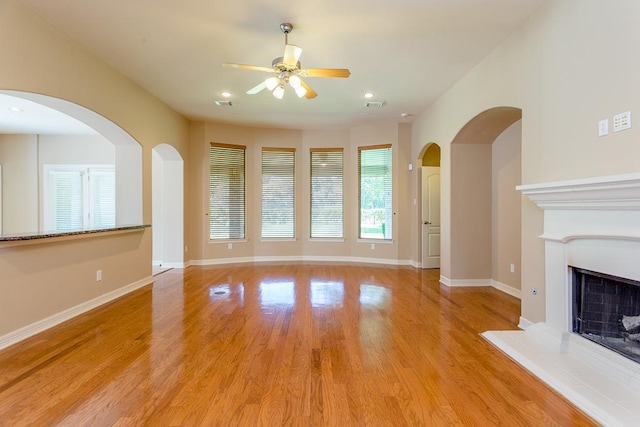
[
  {"x": 303, "y": 247},
  {"x": 75, "y": 149},
  {"x": 19, "y": 160},
  {"x": 566, "y": 69},
  {"x": 506, "y": 202},
  {"x": 471, "y": 211},
  {"x": 43, "y": 280}
]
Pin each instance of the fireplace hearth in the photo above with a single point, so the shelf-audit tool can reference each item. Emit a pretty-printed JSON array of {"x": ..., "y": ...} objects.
[
  {"x": 592, "y": 224},
  {"x": 605, "y": 308}
]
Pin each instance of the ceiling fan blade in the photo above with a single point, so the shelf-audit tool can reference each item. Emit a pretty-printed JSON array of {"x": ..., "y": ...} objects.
[
  {"x": 248, "y": 67},
  {"x": 325, "y": 72},
  {"x": 256, "y": 89},
  {"x": 291, "y": 55},
  {"x": 310, "y": 92}
]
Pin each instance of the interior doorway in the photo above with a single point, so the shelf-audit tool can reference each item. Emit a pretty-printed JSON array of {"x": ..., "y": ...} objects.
[
  {"x": 167, "y": 207},
  {"x": 485, "y": 207},
  {"x": 431, "y": 207}
]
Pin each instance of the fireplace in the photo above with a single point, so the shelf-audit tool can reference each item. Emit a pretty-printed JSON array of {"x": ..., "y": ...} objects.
[
  {"x": 592, "y": 232},
  {"x": 606, "y": 310}
]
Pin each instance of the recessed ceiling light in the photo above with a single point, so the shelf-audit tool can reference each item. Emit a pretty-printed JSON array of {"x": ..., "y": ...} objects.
[
  {"x": 225, "y": 94},
  {"x": 404, "y": 115},
  {"x": 16, "y": 109},
  {"x": 369, "y": 95}
]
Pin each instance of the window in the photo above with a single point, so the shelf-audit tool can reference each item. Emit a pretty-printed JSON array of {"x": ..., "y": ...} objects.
[
  {"x": 226, "y": 191},
  {"x": 326, "y": 193},
  {"x": 278, "y": 208},
  {"x": 375, "y": 194},
  {"x": 79, "y": 197}
]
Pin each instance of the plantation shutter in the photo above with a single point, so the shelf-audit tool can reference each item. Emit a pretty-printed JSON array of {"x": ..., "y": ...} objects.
[
  {"x": 102, "y": 198},
  {"x": 67, "y": 209},
  {"x": 327, "y": 193},
  {"x": 278, "y": 186},
  {"x": 375, "y": 192},
  {"x": 226, "y": 191}
]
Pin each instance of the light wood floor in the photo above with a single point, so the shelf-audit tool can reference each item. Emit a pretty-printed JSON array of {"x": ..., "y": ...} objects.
[{"x": 302, "y": 344}]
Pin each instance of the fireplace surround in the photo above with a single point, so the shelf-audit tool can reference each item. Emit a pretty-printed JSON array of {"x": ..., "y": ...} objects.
[{"x": 589, "y": 224}]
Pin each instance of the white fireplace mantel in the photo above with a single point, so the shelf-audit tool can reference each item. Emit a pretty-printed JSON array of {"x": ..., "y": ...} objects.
[
  {"x": 615, "y": 192},
  {"x": 590, "y": 223}
]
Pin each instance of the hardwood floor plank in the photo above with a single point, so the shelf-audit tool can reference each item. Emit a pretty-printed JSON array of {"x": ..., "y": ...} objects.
[{"x": 281, "y": 344}]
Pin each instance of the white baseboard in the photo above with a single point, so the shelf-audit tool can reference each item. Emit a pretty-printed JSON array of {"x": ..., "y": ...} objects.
[
  {"x": 506, "y": 289},
  {"x": 524, "y": 323},
  {"x": 162, "y": 264},
  {"x": 173, "y": 265},
  {"x": 469, "y": 283},
  {"x": 51, "y": 321},
  {"x": 261, "y": 259}
]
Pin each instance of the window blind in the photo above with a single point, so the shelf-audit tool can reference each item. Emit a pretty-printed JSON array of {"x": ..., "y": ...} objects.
[
  {"x": 327, "y": 193},
  {"x": 226, "y": 191},
  {"x": 278, "y": 189},
  {"x": 375, "y": 192}
]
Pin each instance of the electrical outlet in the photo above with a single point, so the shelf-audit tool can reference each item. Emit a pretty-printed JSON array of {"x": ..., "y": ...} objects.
[
  {"x": 229, "y": 245},
  {"x": 98, "y": 275},
  {"x": 512, "y": 268},
  {"x": 373, "y": 246}
]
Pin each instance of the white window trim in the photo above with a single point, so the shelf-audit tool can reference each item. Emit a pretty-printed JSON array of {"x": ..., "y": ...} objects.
[
  {"x": 381, "y": 241},
  {"x": 327, "y": 239}
]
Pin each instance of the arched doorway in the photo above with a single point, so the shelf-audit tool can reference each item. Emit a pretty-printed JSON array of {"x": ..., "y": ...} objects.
[
  {"x": 485, "y": 207},
  {"x": 430, "y": 195},
  {"x": 167, "y": 208}
]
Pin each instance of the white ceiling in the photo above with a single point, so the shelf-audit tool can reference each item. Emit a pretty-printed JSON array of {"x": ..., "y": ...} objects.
[
  {"x": 408, "y": 52},
  {"x": 19, "y": 116}
]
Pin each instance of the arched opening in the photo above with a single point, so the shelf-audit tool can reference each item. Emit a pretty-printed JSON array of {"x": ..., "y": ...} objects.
[
  {"x": 50, "y": 133},
  {"x": 167, "y": 208},
  {"x": 430, "y": 206},
  {"x": 485, "y": 207}
]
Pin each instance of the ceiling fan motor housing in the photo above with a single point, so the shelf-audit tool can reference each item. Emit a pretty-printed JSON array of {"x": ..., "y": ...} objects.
[{"x": 286, "y": 27}]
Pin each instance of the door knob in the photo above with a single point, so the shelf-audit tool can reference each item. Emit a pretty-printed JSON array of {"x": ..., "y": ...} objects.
[{"x": 427, "y": 223}]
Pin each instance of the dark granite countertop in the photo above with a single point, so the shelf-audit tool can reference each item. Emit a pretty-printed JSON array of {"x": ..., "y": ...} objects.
[{"x": 55, "y": 234}]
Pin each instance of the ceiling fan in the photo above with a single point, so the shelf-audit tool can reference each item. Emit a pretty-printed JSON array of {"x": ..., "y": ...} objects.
[{"x": 288, "y": 71}]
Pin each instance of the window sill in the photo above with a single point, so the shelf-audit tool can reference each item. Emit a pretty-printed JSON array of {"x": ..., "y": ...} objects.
[
  {"x": 381, "y": 241},
  {"x": 327, "y": 239},
  {"x": 277, "y": 239},
  {"x": 7, "y": 241},
  {"x": 226, "y": 241}
]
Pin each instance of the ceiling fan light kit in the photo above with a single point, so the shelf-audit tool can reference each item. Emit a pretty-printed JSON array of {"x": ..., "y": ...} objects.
[
  {"x": 288, "y": 70},
  {"x": 278, "y": 92}
]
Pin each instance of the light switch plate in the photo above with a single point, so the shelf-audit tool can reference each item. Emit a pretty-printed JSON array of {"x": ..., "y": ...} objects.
[
  {"x": 622, "y": 121},
  {"x": 603, "y": 127}
]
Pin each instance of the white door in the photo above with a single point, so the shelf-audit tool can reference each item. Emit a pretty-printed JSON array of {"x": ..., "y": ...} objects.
[{"x": 430, "y": 217}]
